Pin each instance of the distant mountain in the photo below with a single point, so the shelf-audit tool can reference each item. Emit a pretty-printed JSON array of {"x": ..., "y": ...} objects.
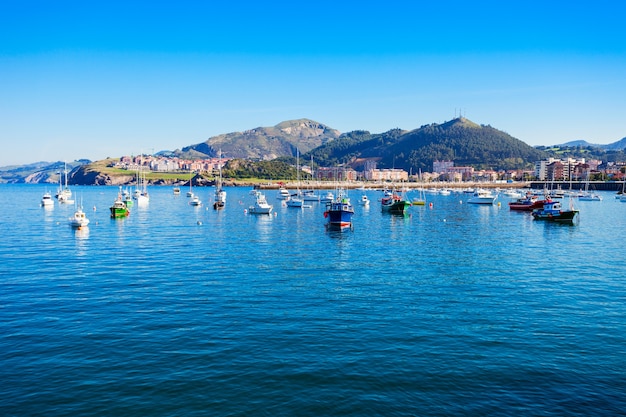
[
  {"x": 266, "y": 143},
  {"x": 459, "y": 140},
  {"x": 620, "y": 144},
  {"x": 38, "y": 172},
  {"x": 581, "y": 143},
  {"x": 615, "y": 146}
]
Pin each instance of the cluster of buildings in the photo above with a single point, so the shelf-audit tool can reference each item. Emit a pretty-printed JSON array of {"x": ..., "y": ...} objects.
[
  {"x": 169, "y": 164},
  {"x": 551, "y": 169},
  {"x": 567, "y": 169}
]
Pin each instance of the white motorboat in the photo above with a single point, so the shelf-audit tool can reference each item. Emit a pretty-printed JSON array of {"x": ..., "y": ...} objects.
[
  {"x": 512, "y": 193},
  {"x": 261, "y": 205},
  {"x": 328, "y": 197},
  {"x": 589, "y": 196},
  {"x": 294, "y": 202},
  {"x": 195, "y": 201},
  {"x": 46, "y": 200},
  {"x": 79, "y": 219},
  {"x": 482, "y": 197},
  {"x": 310, "y": 195},
  {"x": 364, "y": 201},
  {"x": 283, "y": 194}
]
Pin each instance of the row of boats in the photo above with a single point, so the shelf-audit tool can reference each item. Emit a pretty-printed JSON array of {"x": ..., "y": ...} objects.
[
  {"x": 339, "y": 209},
  {"x": 546, "y": 208}
]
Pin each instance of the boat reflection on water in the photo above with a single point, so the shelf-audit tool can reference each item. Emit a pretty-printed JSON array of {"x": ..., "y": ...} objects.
[
  {"x": 336, "y": 230},
  {"x": 81, "y": 233}
]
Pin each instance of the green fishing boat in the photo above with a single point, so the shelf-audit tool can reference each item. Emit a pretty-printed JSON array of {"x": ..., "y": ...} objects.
[{"x": 119, "y": 209}]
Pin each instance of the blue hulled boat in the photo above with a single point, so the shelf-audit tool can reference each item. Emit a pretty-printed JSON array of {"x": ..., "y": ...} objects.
[
  {"x": 553, "y": 212},
  {"x": 339, "y": 212}
]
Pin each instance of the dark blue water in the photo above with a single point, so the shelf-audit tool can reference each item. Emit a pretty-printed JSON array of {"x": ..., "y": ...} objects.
[{"x": 180, "y": 311}]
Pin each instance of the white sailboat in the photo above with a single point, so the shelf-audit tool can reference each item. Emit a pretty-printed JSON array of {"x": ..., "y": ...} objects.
[
  {"x": 587, "y": 195},
  {"x": 294, "y": 200},
  {"x": 64, "y": 195},
  {"x": 190, "y": 192},
  {"x": 141, "y": 191},
  {"x": 310, "y": 194},
  {"x": 220, "y": 194},
  {"x": 420, "y": 200}
]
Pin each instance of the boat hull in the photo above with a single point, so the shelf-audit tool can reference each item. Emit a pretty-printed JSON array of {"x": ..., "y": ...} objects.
[
  {"x": 563, "y": 217},
  {"x": 339, "y": 214},
  {"x": 526, "y": 206},
  {"x": 119, "y": 210},
  {"x": 397, "y": 207},
  {"x": 260, "y": 210},
  {"x": 482, "y": 200}
]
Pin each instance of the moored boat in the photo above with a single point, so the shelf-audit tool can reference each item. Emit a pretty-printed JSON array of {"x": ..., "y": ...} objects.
[
  {"x": 482, "y": 197},
  {"x": 119, "y": 209},
  {"x": 528, "y": 203},
  {"x": 79, "y": 219},
  {"x": 283, "y": 194},
  {"x": 552, "y": 211},
  {"x": 310, "y": 195},
  {"x": 195, "y": 201},
  {"x": 394, "y": 203},
  {"x": 128, "y": 200},
  {"x": 64, "y": 195},
  {"x": 46, "y": 200},
  {"x": 340, "y": 211},
  {"x": 220, "y": 200},
  {"x": 294, "y": 202},
  {"x": 589, "y": 196},
  {"x": 220, "y": 194},
  {"x": 420, "y": 200},
  {"x": 328, "y": 197},
  {"x": 261, "y": 205},
  {"x": 511, "y": 193}
]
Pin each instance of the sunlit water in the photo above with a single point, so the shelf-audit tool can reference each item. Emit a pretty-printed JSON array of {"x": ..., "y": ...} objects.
[{"x": 456, "y": 309}]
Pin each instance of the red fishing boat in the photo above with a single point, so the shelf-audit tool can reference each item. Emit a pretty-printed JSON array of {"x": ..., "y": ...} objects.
[{"x": 528, "y": 203}]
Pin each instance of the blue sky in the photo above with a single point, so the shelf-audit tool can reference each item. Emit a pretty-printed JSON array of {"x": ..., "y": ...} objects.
[{"x": 98, "y": 79}]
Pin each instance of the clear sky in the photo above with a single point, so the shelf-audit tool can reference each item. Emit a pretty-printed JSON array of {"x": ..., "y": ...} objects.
[{"x": 93, "y": 79}]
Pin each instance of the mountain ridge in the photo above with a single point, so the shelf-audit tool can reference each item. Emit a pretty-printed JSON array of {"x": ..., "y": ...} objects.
[
  {"x": 460, "y": 140},
  {"x": 267, "y": 143}
]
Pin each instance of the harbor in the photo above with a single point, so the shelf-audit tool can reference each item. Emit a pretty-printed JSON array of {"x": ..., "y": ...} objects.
[{"x": 447, "y": 309}]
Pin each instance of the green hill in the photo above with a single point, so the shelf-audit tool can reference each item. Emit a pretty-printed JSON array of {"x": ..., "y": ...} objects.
[{"x": 459, "y": 140}]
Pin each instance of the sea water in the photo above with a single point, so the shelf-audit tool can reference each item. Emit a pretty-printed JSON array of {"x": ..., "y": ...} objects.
[{"x": 454, "y": 309}]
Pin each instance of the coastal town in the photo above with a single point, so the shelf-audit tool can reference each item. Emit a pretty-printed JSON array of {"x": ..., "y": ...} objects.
[{"x": 551, "y": 169}]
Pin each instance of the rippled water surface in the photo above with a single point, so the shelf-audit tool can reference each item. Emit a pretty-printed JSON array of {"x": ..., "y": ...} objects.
[{"x": 451, "y": 310}]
